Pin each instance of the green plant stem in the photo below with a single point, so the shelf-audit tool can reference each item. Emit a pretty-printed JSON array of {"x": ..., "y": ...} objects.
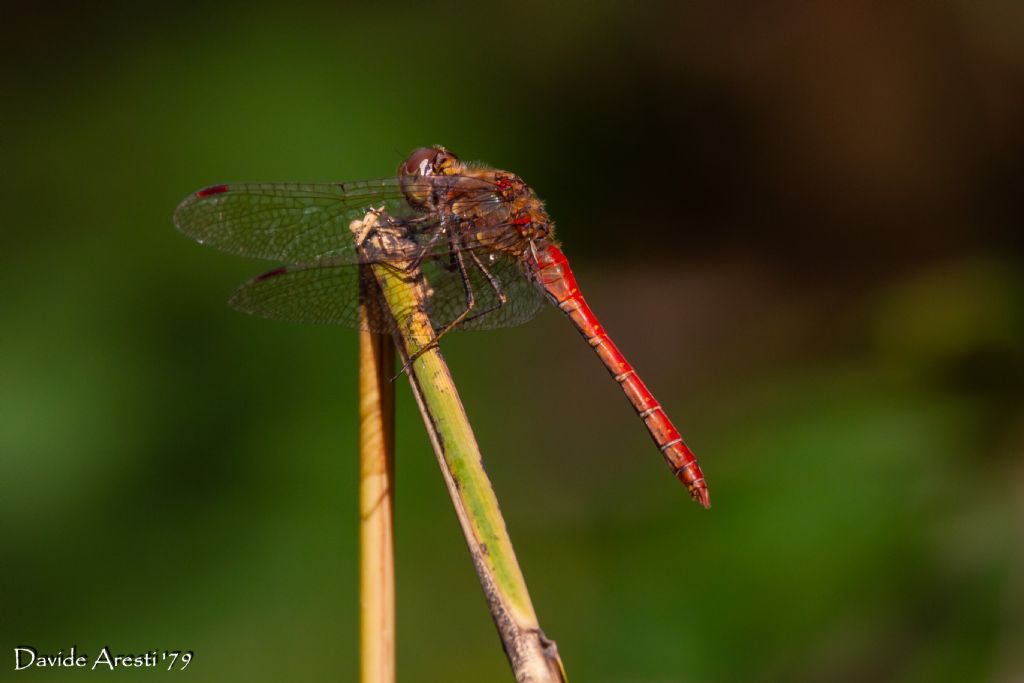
[{"x": 532, "y": 656}]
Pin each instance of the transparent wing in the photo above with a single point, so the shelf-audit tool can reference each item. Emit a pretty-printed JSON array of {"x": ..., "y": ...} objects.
[
  {"x": 301, "y": 222},
  {"x": 326, "y": 292},
  {"x": 321, "y": 293},
  {"x": 289, "y": 222}
]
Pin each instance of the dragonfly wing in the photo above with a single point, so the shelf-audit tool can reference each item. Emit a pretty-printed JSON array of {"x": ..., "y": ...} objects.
[
  {"x": 290, "y": 222},
  {"x": 303, "y": 222},
  {"x": 321, "y": 293},
  {"x": 326, "y": 292}
]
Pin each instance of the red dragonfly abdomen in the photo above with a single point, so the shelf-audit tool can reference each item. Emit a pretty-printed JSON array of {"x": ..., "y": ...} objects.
[{"x": 553, "y": 274}]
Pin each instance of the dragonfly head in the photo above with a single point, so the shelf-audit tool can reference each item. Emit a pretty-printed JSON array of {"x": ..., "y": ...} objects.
[{"x": 423, "y": 163}]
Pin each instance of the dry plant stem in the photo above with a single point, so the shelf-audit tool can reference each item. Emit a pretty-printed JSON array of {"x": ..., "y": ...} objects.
[
  {"x": 376, "y": 504},
  {"x": 533, "y": 657}
]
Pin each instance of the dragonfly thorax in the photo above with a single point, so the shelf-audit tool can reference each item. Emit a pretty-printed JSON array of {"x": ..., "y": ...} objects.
[{"x": 490, "y": 207}]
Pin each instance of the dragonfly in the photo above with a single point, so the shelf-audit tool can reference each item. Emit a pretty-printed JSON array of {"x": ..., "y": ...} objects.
[{"x": 480, "y": 237}]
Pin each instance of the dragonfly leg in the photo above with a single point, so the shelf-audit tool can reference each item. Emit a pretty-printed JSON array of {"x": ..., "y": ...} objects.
[
  {"x": 451, "y": 266},
  {"x": 424, "y": 251},
  {"x": 495, "y": 285},
  {"x": 418, "y": 261},
  {"x": 461, "y": 317}
]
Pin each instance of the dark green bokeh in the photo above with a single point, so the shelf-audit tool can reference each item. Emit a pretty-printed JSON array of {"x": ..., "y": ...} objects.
[{"x": 801, "y": 223}]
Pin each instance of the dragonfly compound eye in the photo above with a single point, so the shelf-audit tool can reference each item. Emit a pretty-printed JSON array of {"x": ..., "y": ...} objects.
[
  {"x": 427, "y": 161},
  {"x": 419, "y": 162},
  {"x": 412, "y": 173},
  {"x": 423, "y": 163}
]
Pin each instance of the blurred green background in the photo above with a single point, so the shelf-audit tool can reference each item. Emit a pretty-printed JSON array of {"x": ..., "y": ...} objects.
[{"x": 801, "y": 222}]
